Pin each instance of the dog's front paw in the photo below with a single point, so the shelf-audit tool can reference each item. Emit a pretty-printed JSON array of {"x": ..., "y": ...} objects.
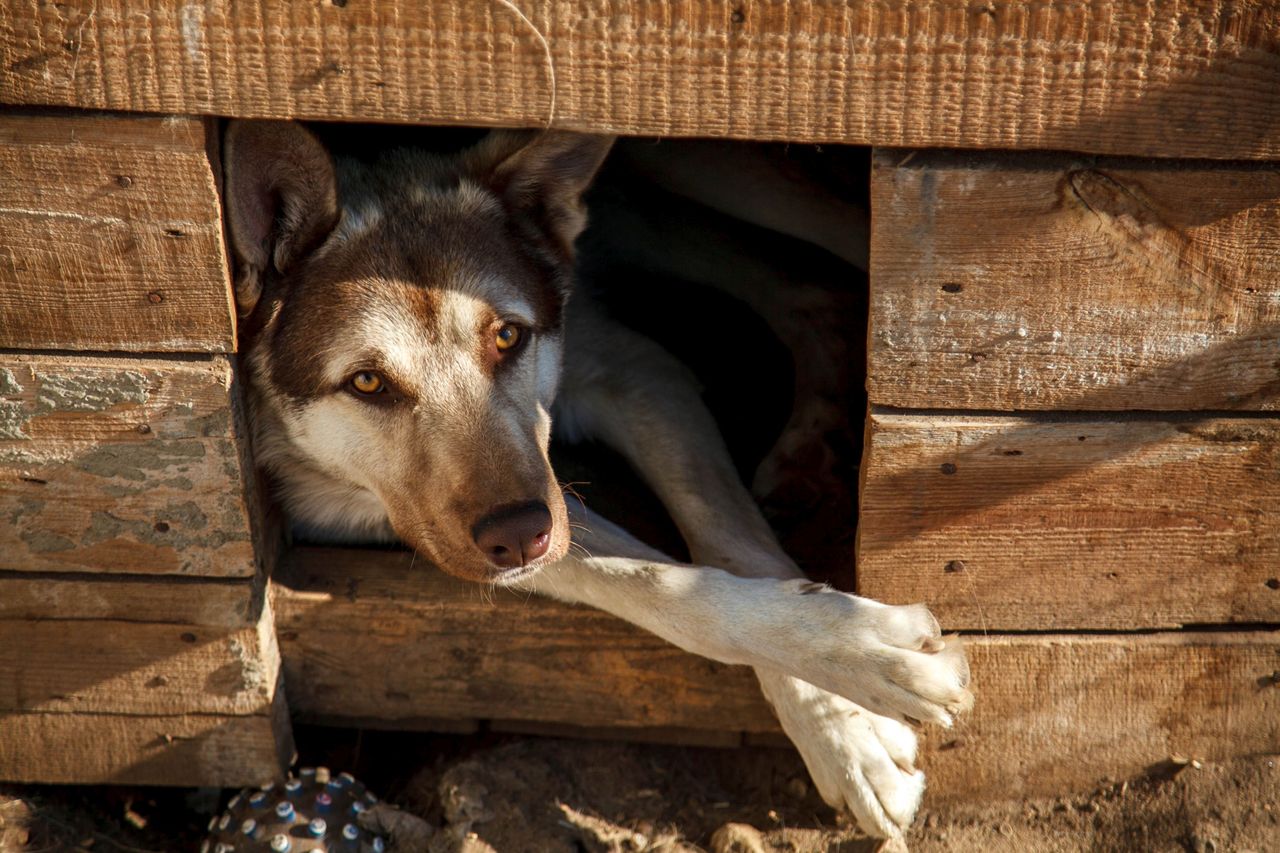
[
  {"x": 890, "y": 659},
  {"x": 860, "y": 762}
]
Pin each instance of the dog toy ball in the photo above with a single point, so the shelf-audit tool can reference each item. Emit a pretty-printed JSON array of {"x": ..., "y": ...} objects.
[{"x": 312, "y": 811}]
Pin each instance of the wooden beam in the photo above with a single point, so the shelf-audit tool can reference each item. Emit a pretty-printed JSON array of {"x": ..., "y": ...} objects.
[
  {"x": 1057, "y": 714},
  {"x": 114, "y": 667},
  {"x": 91, "y": 701},
  {"x": 1065, "y": 282},
  {"x": 369, "y": 633},
  {"x": 110, "y": 234},
  {"x": 1187, "y": 79},
  {"x": 1049, "y": 524},
  {"x": 183, "y": 750},
  {"x": 109, "y": 598},
  {"x": 119, "y": 464}
]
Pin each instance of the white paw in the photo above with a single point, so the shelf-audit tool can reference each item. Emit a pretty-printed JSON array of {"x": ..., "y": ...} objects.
[
  {"x": 889, "y": 659},
  {"x": 860, "y": 762}
]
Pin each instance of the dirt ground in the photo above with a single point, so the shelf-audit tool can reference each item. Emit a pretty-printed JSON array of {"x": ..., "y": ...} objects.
[{"x": 510, "y": 794}]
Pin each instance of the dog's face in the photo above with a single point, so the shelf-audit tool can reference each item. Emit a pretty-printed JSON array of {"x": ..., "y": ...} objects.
[{"x": 403, "y": 336}]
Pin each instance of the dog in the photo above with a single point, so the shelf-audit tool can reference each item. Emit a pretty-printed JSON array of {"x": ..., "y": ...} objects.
[{"x": 410, "y": 344}]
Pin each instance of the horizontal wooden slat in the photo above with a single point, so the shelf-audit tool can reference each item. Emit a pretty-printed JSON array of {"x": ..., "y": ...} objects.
[
  {"x": 184, "y": 750},
  {"x": 1060, "y": 282},
  {"x": 1046, "y": 523},
  {"x": 213, "y": 603},
  {"x": 370, "y": 634},
  {"x": 116, "y": 667},
  {"x": 365, "y": 634},
  {"x": 132, "y": 465},
  {"x": 1190, "y": 79},
  {"x": 110, "y": 234},
  {"x": 1058, "y": 713}
]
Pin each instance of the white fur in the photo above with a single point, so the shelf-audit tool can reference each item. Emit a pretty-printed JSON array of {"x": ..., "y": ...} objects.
[{"x": 876, "y": 655}]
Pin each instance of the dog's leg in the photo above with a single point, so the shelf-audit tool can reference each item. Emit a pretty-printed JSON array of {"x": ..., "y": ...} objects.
[
  {"x": 888, "y": 658},
  {"x": 793, "y": 632},
  {"x": 631, "y": 394}
]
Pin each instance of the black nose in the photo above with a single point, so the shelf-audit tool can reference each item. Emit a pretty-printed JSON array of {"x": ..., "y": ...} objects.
[{"x": 514, "y": 536}]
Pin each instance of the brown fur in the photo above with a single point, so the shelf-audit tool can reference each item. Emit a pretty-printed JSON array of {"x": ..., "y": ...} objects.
[{"x": 496, "y": 225}]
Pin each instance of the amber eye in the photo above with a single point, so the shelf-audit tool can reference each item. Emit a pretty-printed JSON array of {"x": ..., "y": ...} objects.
[
  {"x": 506, "y": 338},
  {"x": 367, "y": 382}
]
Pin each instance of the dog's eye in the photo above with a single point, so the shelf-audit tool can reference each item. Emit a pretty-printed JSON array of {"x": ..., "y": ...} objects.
[
  {"x": 507, "y": 337},
  {"x": 367, "y": 382}
]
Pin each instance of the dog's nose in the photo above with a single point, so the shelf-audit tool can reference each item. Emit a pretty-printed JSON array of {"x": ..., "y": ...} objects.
[{"x": 514, "y": 536}]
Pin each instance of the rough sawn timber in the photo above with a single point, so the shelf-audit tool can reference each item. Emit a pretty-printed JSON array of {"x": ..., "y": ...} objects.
[
  {"x": 1035, "y": 282},
  {"x": 369, "y": 634},
  {"x": 1075, "y": 522},
  {"x": 182, "y": 750},
  {"x": 124, "y": 464},
  {"x": 1188, "y": 79},
  {"x": 110, "y": 234},
  {"x": 111, "y": 701},
  {"x": 212, "y": 602},
  {"x": 118, "y": 667}
]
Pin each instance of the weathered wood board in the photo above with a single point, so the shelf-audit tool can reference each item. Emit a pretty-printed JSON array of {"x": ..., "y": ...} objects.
[
  {"x": 1060, "y": 713},
  {"x": 1189, "y": 79},
  {"x": 103, "y": 666},
  {"x": 369, "y": 634},
  {"x": 97, "y": 700},
  {"x": 184, "y": 750},
  {"x": 366, "y": 635},
  {"x": 146, "y": 598},
  {"x": 1036, "y": 282},
  {"x": 121, "y": 464},
  {"x": 110, "y": 234},
  {"x": 1075, "y": 522}
]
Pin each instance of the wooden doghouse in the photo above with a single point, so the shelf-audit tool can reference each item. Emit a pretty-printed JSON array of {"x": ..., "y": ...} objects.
[{"x": 1072, "y": 450}]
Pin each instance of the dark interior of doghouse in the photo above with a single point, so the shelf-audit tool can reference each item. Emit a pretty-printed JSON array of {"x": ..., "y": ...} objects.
[{"x": 640, "y": 256}]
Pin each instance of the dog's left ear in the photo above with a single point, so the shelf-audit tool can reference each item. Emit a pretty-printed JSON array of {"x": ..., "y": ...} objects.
[
  {"x": 542, "y": 175},
  {"x": 282, "y": 200}
]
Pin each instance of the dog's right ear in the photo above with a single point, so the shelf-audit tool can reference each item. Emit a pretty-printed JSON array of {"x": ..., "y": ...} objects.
[{"x": 282, "y": 200}]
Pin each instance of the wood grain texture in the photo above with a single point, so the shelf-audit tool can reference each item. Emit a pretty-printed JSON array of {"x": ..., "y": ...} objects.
[
  {"x": 174, "y": 601},
  {"x": 1036, "y": 282},
  {"x": 183, "y": 750},
  {"x": 110, "y": 235},
  {"x": 1056, "y": 714},
  {"x": 118, "y": 667},
  {"x": 1078, "y": 522},
  {"x": 368, "y": 634},
  {"x": 1191, "y": 79},
  {"x": 118, "y": 464}
]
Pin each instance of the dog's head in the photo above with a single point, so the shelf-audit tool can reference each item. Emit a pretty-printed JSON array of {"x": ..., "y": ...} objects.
[{"x": 403, "y": 325}]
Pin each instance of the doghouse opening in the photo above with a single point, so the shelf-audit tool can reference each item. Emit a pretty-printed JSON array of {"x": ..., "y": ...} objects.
[{"x": 772, "y": 324}]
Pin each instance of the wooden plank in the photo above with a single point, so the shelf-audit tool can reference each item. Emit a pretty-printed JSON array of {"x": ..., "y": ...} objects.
[
  {"x": 185, "y": 750},
  {"x": 116, "y": 667},
  {"x": 1057, "y": 714},
  {"x": 1190, "y": 79},
  {"x": 131, "y": 465},
  {"x": 1036, "y": 282},
  {"x": 175, "y": 601},
  {"x": 369, "y": 634},
  {"x": 110, "y": 235},
  {"x": 1080, "y": 522},
  {"x": 366, "y": 634}
]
